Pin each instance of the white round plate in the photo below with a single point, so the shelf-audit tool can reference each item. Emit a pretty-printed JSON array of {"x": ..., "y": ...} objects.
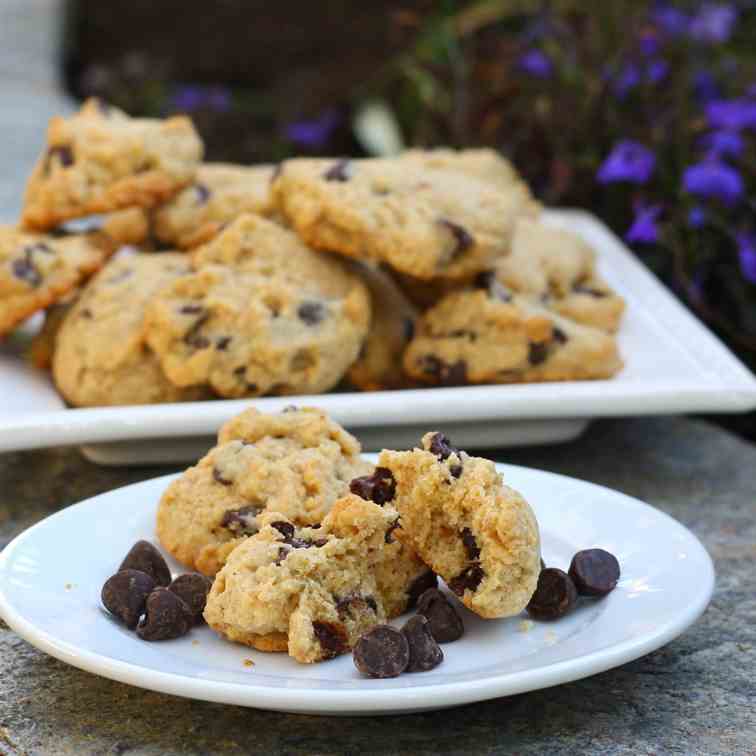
[{"x": 51, "y": 575}]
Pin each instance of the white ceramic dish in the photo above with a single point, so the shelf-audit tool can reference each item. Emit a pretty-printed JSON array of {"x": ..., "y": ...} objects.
[
  {"x": 51, "y": 575},
  {"x": 673, "y": 365}
]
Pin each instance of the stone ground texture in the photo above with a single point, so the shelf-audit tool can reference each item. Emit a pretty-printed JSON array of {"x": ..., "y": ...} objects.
[{"x": 695, "y": 696}]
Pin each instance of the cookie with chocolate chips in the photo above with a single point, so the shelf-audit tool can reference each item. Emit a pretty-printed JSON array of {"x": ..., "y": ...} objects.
[
  {"x": 492, "y": 335},
  {"x": 297, "y": 463},
  {"x": 429, "y": 219},
  {"x": 315, "y": 587},
  {"x": 100, "y": 160},
  {"x": 478, "y": 534}
]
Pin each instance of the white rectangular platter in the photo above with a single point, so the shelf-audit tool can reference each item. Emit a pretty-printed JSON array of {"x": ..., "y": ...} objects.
[{"x": 673, "y": 364}]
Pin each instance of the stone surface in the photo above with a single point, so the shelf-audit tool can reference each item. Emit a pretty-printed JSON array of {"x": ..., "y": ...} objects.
[{"x": 694, "y": 696}]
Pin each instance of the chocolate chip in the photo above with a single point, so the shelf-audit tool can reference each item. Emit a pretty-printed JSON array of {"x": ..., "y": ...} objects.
[
  {"x": 444, "y": 622},
  {"x": 470, "y": 544},
  {"x": 445, "y": 374},
  {"x": 380, "y": 487},
  {"x": 193, "y": 589},
  {"x": 25, "y": 270},
  {"x": 582, "y": 289},
  {"x": 203, "y": 193},
  {"x": 419, "y": 585},
  {"x": 241, "y": 521},
  {"x": 191, "y": 309},
  {"x": 311, "y": 312},
  {"x": 595, "y": 572},
  {"x": 554, "y": 595},
  {"x": 332, "y": 638},
  {"x": 223, "y": 343},
  {"x": 468, "y": 580},
  {"x": 341, "y": 171},
  {"x": 354, "y": 603},
  {"x": 408, "y": 329},
  {"x": 382, "y": 652},
  {"x": 496, "y": 290},
  {"x": 125, "y": 593},
  {"x": 286, "y": 529},
  {"x": 63, "y": 153},
  {"x": 441, "y": 446},
  {"x": 143, "y": 556},
  {"x": 389, "y": 536},
  {"x": 319, "y": 542},
  {"x": 283, "y": 552},
  {"x": 537, "y": 352},
  {"x": 167, "y": 617},
  {"x": 462, "y": 238},
  {"x": 559, "y": 336},
  {"x": 193, "y": 338},
  {"x": 424, "y": 651},
  {"x": 86, "y": 313}
]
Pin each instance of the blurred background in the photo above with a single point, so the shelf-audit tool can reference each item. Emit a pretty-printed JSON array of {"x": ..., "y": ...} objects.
[{"x": 641, "y": 111}]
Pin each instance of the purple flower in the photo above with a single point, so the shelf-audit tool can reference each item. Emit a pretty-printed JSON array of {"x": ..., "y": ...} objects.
[
  {"x": 628, "y": 78},
  {"x": 645, "y": 229},
  {"x": 705, "y": 86},
  {"x": 713, "y": 178},
  {"x": 656, "y": 70},
  {"x": 696, "y": 216},
  {"x": 732, "y": 114},
  {"x": 314, "y": 133},
  {"x": 648, "y": 43},
  {"x": 723, "y": 142},
  {"x": 751, "y": 91},
  {"x": 628, "y": 161},
  {"x": 536, "y": 63},
  {"x": 713, "y": 23},
  {"x": 670, "y": 19},
  {"x": 190, "y": 97},
  {"x": 747, "y": 256}
]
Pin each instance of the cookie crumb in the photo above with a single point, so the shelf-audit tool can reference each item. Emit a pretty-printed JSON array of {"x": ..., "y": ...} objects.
[
  {"x": 249, "y": 663},
  {"x": 195, "y": 642},
  {"x": 525, "y": 626},
  {"x": 69, "y": 586}
]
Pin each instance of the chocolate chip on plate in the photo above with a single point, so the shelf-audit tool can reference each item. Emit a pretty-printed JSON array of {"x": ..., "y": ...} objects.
[
  {"x": 382, "y": 652},
  {"x": 419, "y": 585},
  {"x": 145, "y": 557},
  {"x": 380, "y": 487},
  {"x": 424, "y": 651},
  {"x": 444, "y": 622},
  {"x": 555, "y": 595},
  {"x": 167, "y": 617},
  {"x": 125, "y": 593},
  {"x": 595, "y": 572},
  {"x": 193, "y": 589}
]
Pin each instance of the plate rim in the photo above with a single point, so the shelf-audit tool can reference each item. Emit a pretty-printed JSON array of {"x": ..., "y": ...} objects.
[{"x": 353, "y": 701}]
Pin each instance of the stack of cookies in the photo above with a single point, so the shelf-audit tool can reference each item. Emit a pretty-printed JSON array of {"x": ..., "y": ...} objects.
[
  {"x": 310, "y": 545},
  {"x": 430, "y": 268}
]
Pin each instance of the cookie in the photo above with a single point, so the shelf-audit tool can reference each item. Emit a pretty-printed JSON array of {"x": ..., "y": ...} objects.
[
  {"x": 42, "y": 346},
  {"x": 424, "y": 221},
  {"x": 101, "y": 160},
  {"x": 494, "y": 336},
  {"x": 558, "y": 267},
  {"x": 315, "y": 585},
  {"x": 297, "y": 463},
  {"x": 38, "y": 270},
  {"x": 101, "y": 357},
  {"x": 252, "y": 329},
  {"x": 478, "y": 534},
  {"x": 392, "y": 326}
]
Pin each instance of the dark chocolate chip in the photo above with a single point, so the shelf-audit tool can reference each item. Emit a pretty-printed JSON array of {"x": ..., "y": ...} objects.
[
  {"x": 319, "y": 542},
  {"x": 380, "y": 487},
  {"x": 125, "y": 593},
  {"x": 583, "y": 289},
  {"x": 223, "y": 343},
  {"x": 311, "y": 312},
  {"x": 332, "y": 638},
  {"x": 595, "y": 572},
  {"x": 25, "y": 270},
  {"x": 468, "y": 580},
  {"x": 554, "y": 596},
  {"x": 471, "y": 545},
  {"x": 341, "y": 171},
  {"x": 408, "y": 329},
  {"x": 286, "y": 529},
  {"x": 191, "y": 309},
  {"x": 444, "y": 621},
  {"x": 445, "y": 374},
  {"x": 462, "y": 237},
  {"x": 441, "y": 446},
  {"x": 241, "y": 521},
  {"x": 559, "y": 336},
  {"x": 218, "y": 478},
  {"x": 382, "y": 652},
  {"x": 63, "y": 153},
  {"x": 143, "y": 556},
  {"x": 167, "y": 617},
  {"x": 193, "y": 337},
  {"x": 424, "y": 651},
  {"x": 537, "y": 352},
  {"x": 203, "y": 193},
  {"x": 389, "y": 536},
  {"x": 283, "y": 552},
  {"x": 193, "y": 589},
  {"x": 496, "y": 290},
  {"x": 354, "y": 603},
  {"x": 419, "y": 585}
]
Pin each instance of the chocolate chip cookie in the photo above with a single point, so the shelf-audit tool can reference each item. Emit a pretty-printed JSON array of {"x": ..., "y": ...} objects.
[
  {"x": 101, "y": 160},
  {"x": 101, "y": 357},
  {"x": 422, "y": 220},
  {"x": 478, "y": 534},
  {"x": 297, "y": 463},
  {"x": 37, "y": 270},
  {"x": 494, "y": 336}
]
